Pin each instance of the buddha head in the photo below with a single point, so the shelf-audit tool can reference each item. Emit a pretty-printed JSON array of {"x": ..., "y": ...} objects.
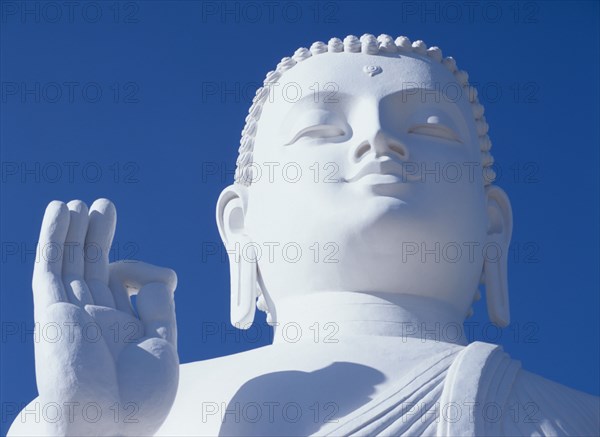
[{"x": 364, "y": 166}]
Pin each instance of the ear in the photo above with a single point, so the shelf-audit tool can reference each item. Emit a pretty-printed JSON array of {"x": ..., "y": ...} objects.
[
  {"x": 241, "y": 251},
  {"x": 495, "y": 265}
]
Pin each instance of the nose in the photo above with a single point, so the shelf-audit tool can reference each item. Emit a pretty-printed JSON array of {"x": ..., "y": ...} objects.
[{"x": 380, "y": 143}]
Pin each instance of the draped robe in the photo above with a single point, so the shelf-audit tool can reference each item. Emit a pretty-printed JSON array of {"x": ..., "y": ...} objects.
[{"x": 478, "y": 391}]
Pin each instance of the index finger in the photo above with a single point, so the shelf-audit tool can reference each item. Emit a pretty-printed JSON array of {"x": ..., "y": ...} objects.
[{"x": 135, "y": 274}]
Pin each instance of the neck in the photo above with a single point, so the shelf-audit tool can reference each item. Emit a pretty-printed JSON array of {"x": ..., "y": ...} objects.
[{"x": 337, "y": 316}]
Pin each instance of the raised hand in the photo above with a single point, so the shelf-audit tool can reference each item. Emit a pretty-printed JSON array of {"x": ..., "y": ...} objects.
[{"x": 104, "y": 368}]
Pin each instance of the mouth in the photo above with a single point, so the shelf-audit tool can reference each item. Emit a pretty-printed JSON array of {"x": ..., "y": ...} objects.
[
  {"x": 381, "y": 179},
  {"x": 380, "y": 172}
]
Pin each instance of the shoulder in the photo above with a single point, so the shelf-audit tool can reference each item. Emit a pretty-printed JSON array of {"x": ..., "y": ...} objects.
[
  {"x": 205, "y": 389},
  {"x": 543, "y": 407},
  {"x": 494, "y": 396}
]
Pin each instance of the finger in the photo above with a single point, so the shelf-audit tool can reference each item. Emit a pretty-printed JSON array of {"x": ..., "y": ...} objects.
[
  {"x": 75, "y": 240},
  {"x": 47, "y": 280},
  {"x": 156, "y": 308},
  {"x": 73, "y": 258},
  {"x": 135, "y": 274},
  {"x": 100, "y": 233},
  {"x": 127, "y": 277}
]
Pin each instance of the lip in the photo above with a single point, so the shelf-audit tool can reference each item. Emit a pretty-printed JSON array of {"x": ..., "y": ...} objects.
[
  {"x": 382, "y": 171},
  {"x": 381, "y": 179}
]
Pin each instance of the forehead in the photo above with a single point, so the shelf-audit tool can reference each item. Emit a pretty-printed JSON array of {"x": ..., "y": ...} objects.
[{"x": 350, "y": 76}]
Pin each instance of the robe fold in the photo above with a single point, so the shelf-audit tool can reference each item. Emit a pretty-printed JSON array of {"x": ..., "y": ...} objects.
[{"x": 477, "y": 391}]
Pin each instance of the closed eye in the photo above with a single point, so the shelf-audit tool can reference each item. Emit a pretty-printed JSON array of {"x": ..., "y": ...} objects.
[
  {"x": 435, "y": 130},
  {"x": 318, "y": 131}
]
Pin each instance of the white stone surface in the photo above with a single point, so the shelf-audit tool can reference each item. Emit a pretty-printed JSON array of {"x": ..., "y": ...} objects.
[{"x": 366, "y": 362}]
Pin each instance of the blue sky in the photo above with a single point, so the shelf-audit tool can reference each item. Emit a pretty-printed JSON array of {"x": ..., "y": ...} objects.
[{"x": 143, "y": 103}]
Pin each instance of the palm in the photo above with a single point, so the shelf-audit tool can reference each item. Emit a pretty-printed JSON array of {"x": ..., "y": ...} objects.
[{"x": 117, "y": 370}]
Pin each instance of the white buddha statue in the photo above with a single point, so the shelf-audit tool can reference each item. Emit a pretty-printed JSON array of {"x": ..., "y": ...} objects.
[{"x": 341, "y": 155}]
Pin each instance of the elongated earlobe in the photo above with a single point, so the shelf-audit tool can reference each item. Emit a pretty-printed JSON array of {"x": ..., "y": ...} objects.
[
  {"x": 242, "y": 273},
  {"x": 495, "y": 265},
  {"x": 241, "y": 252}
]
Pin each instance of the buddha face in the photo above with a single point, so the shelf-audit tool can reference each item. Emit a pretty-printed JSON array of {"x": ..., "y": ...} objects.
[{"x": 367, "y": 178}]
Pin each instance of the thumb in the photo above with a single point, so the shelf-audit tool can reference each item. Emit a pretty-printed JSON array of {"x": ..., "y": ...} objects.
[{"x": 156, "y": 308}]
